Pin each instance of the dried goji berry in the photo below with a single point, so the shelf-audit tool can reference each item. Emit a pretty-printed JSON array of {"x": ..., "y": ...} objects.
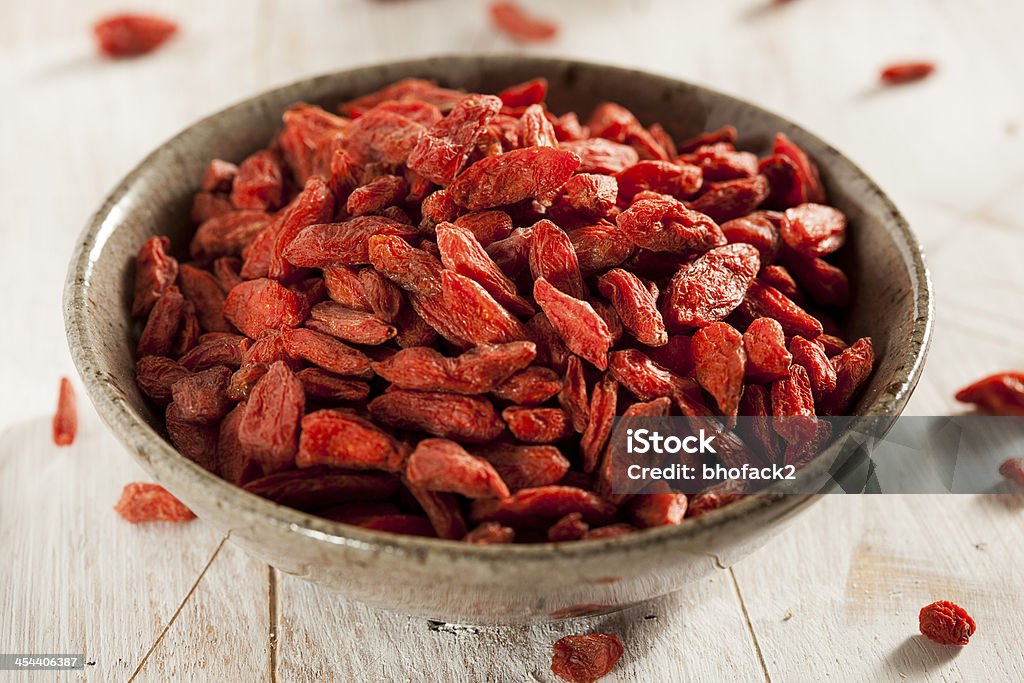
[
  {"x": 793, "y": 406},
  {"x": 586, "y": 658},
  {"x": 814, "y": 229},
  {"x": 601, "y": 418},
  {"x": 658, "y": 509},
  {"x": 853, "y": 367},
  {"x": 576, "y": 322},
  {"x": 724, "y": 134},
  {"x": 65, "y": 419},
  {"x": 585, "y": 196},
  {"x": 227, "y": 234},
  {"x": 765, "y": 345},
  {"x": 600, "y": 246},
  {"x": 196, "y": 441},
  {"x": 808, "y": 172},
  {"x": 155, "y": 271},
  {"x": 542, "y": 505},
  {"x": 377, "y": 136},
  {"x": 819, "y": 369},
  {"x": 202, "y": 397},
  {"x": 443, "y": 465},
  {"x": 762, "y": 301},
  {"x": 720, "y": 360},
  {"x": 679, "y": 180},
  {"x": 906, "y": 72},
  {"x": 161, "y": 328},
  {"x": 259, "y": 183},
  {"x": 999, "y": 394},
  {"x": 553, "y": 258},
  {"x": 732, "y": 198},
  {"x": 524, "y": 94},
  {"x": 568, "y": 528},
  {"x": 537, "y": 425},
  {"x": 526, "y": 466},
  {"x": 946, "y": 623},
  {"x": 756, "y": 230},
  {"x": 661, "y": 223},
  {"x": 131, "y": 35},
  {"x": 636, "y": 306},
  {"x": 467, "y": 419},
  {"x": 223, "y": 349},
  {"x": 349, "y": 325},
  {"x": 258, "y": 305},
  {"x": 145, "y": 502},
  {"x": 720, "y": 161},
  {"x": 316, "y": 488},
  {"x": 340, "y": 243},
  {"x": 514, "y": 21},
  {"x": 462, "y": 253},
  {"x": 513, "y": 176},
  {"x": 531, "y": 386},
  {"x": 534, "y": 128},
  {"x": 341, "y": 439},
  {"x": 443, "y": 511},
  {"x": 315, "y": 204},
  {"x": 156, "y": 374},
  {"x": 711, "y": 287},
  {"x": 1013, "y": 470},
  {"x": 270, "y": 423},
  {"x": 490, "y": 533}
]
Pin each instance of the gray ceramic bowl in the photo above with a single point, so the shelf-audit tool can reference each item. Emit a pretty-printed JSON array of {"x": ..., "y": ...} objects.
[{"x": 443, "y": 579}]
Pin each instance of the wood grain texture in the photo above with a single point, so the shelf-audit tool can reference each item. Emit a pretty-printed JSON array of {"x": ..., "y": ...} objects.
[{"x": 949, "y": 150}]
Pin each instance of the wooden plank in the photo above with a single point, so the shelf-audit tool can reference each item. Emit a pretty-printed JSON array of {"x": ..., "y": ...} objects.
[
  {"x": 838, "y": 596},
  {"x": 79, "y": 579},
  {"x": 696, "y": 634}
]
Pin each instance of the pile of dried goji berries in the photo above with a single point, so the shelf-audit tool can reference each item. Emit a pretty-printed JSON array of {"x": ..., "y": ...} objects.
[{"x": 422, "y": 314}]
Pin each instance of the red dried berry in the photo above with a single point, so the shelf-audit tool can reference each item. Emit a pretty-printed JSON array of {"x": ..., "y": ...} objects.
[
  {"x": 538, "y": 425},
  {"x": 765, "y": 345},
  {"x": 462, "y": 253},
  {"x": 65, "y": 419},
  {"x": 144, "y": 502},
  {"x": 853, "y": 367},
  {"x": 541, "y": 506},
  {"x": 131, "y": 35},
  {"x": 762, "y": 301},
  {"x": 513, "y": 176},
  {"x": 345, "y": 243},
  {"x": 1013, "y": 470},
  {"x": 270, "y": 423},
  {"x": 162, "y": 326},
  {"x": 720, "y": 361},
  {"x": 155, "y": 271},
  {"x": 524, "y": 94},
  {"x": 819, "y": 368},
  {"x": 342, "y": 439},
  {"x": 711, "y": 287},
  {"x": 906, "y": 72},
  {"x": 808, "y": 172},
  {"x": 513, "y": 20},
  {"x": 814, "y": 229},
  {"x": 636, "y": 305},
  {"x": 467, "y": 419},
  {"x": 531, "y": 386},
  {"x": 553, "y": 258},
  {"x": 586, "y": 658},
  {"x": 999, "y": 394},
  {"x": 732, "y": 198},
  {"x": 203, "y": 396},
  {"x": 793, "y": 403},
  {"x": 316, "y": 488},
  {"x": 443, "y": 465},
  {"x": 576, "y": 322},
  {"x": 490, "y": 533},
  {"x": 259, "y": 183},
  {"x": 661, "y": 223},
  {"x": 658, "y": 509},
  {"x": 598, "y": 155},
  {"x": 946, "y": 623},
  {"x": 603, "y": 402}
]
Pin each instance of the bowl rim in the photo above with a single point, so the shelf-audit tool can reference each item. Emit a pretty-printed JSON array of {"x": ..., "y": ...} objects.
[{"x": 164, "y": 462}]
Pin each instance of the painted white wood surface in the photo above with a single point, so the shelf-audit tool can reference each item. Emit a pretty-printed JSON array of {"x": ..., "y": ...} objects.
[{"x": 835, "y": 597}]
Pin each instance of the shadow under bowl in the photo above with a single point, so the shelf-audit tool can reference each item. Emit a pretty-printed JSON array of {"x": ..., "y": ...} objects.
[{"x": 445, "y": 579}]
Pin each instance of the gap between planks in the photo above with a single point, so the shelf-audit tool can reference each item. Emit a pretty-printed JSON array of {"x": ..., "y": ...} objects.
[
  {"x": 272, "y": 622},
  {"x": 177, "y": 611},
  {"x": 750, "y": 626}
]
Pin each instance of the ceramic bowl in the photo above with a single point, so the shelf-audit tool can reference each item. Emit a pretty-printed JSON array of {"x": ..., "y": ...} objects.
[{"x": 442, "y": 579}]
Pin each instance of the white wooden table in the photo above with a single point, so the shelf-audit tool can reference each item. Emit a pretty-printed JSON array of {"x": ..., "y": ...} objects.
[{"x": 836, "y": 597}]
